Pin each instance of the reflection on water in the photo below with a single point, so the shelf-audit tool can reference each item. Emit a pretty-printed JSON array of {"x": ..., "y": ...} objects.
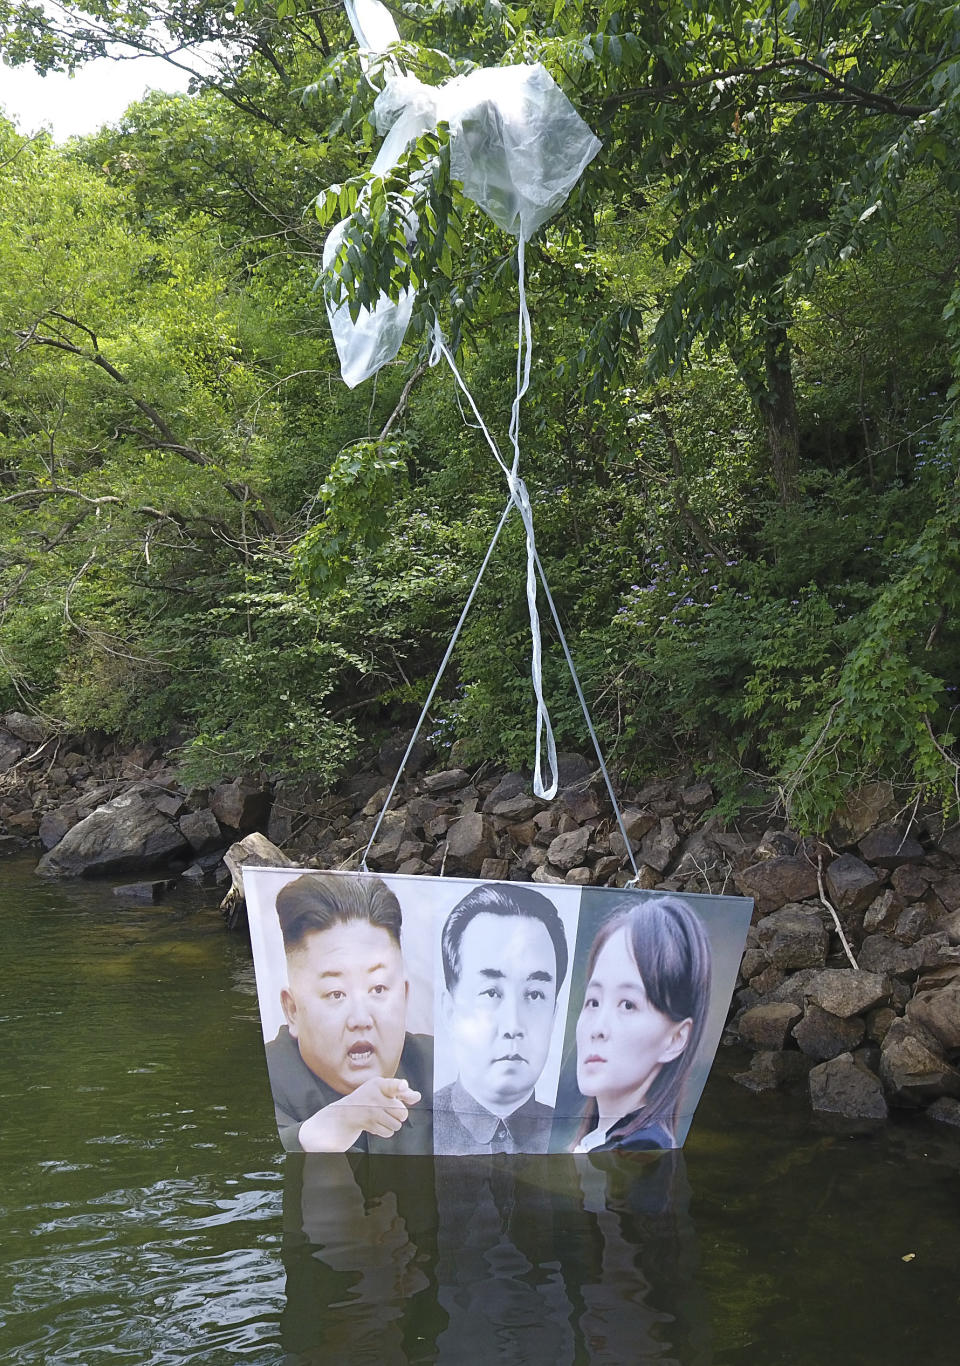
[
  {"x": 149, "y": 1218},
  {"x": 490, "y": 1260}
]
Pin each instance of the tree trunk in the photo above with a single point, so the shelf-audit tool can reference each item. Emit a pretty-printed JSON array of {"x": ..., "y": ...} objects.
[{"x": 779, "y": 412}]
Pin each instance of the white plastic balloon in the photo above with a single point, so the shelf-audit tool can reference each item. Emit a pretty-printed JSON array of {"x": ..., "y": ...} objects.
[{"x": 517, "y": 145}]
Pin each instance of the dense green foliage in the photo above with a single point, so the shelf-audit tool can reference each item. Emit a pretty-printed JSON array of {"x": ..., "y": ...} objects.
[{"x": 740, "y": 439}]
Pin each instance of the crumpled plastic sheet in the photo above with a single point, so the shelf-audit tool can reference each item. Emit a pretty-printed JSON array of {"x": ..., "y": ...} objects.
[{"x": 517, "y": 145}]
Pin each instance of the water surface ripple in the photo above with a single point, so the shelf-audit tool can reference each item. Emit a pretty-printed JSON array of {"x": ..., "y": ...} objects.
[{"x": 148, "y": 1217}]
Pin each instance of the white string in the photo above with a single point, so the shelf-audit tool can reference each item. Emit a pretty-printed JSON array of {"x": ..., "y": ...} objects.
[
  {"x": 520, "y": 499},
  {"x": 436, "y": 683}
]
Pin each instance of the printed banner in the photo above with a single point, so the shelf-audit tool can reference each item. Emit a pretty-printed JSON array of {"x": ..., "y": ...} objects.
[{"x": 440, "y": 1015}]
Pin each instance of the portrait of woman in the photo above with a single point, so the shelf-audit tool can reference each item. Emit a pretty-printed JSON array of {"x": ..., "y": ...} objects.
[{"x": 644, "y": 1008}]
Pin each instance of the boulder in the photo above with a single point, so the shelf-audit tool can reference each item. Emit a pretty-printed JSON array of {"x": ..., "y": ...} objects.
[
  {"x": 202, "y": 830},
  {"x": 776, "y": 881},
  {"x": 909, "y": 882},
  {"x": 392, "y": 834},
  {"x": 912, "y": 1066},
  {"x": 513, "y": 809},
  {"x": 510, "y": 785},
  {"x": 883, "y": 912},
  {"x": 939, "y": 1013},
  {"x": 55, "y": 824},
  {"x": 125, "y": 835},
  {"x": 580, "y": 877},
  {"x": 11, "y": 750},
  {"x": 948, "y": 891},
  {"x": 145, "y": 891},
  {"x": 883, "y": 955},
  {"x": 241, "y": 805},
  {"x": 845, "y": 1086},
  {"x": 768, "y": 1026},
  {"x": 495, "y": 870},
  {"x": 569, "y": 851},
  {"x": 945, "y": 1111},
  {"x": 851, "y": 883},
  {"x": 26, "y": 728},
  {"x": 547, "y": 874},
  {"x": 843, "y": 992},
  {"x": 914, "y": 922},
  {"x": 697, "y": 797},
  {"x": 584, "y": 804},
  {"x": 769, "y": 1069},
  {"x": 257, "y": 850},
  {"x": 822, "y": 1035},
  {"x": 872, "y": 803},
  {"x": 470, "y": 840},
  {"x": 659, "y": 845},
  {"x": 794, "y": 937},
  {"x": 573, "y": 769},
  {"x": 447, "y": 781},
  {"x": 886, "y": 846}
]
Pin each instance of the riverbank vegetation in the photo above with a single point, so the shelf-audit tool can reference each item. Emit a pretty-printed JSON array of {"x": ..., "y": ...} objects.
[{"x": 740, "y": 441}]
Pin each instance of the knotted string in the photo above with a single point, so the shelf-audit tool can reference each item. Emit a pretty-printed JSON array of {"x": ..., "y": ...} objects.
[{"x": 519, "y": 499}]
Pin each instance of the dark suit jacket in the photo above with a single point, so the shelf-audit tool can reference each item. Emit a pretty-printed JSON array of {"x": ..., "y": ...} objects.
[{"x": 462, "y": 1125}]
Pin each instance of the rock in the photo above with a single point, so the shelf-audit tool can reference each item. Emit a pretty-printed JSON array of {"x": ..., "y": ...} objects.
[
  {"x": 776, "y": 844},
  {"x": 851, "y": 884},
  {"x": 774, "y": 882},
  {"x": 793, "y": 989},
  {"x": 948, "y": 891},
  {"x": 495, "y": 870},
  {"x": 883, "y": 912},
  {"x": 470, "y": 840},
  {"x": 843, "y": 992},
  {"x": 605, "y": 867},
  {"x": 580, "y": 877},
  {"x": 11, "y": 750},
  {"x": 945, "y": 1111},
  {"x": 437, "y": 828},
  {"x": 26, "y": 728},
  {"x": 949, "y": 842},
  {"x": 420, "y": 810},
  {"x": 950, "y": 926},
  {"x": 658, "y": 846},
  {"x": 697, "y": 797},
  {"x": 573, "y": 769},
  {"x": 256, "y": 849},
  {"x": 768, "y": 1026},
  {"x": 202, "y": 830},
  {"x": 844, "y": 1086},
  {"x": 880, "y": 954},
  {"x": 414, "y": 867},
  {"x": 822, "y": 1035},
  {"x": 885, "y": 846},
  {"x": 547, "y": 874},
  {"x": 125, "y": 835},
  {"x": 567, "y": 851},
  {"x": 939, "y": 1013},
  {"x": 414, "y": 849},
  {"x": 385, "y": 850},
  {"x": 513, "y": 809},
  {"x": 874, "y": 802},
  {"x": 391, "y": 752},
  {"x": 242, "y": 805},
  {"x": 583, "y": 804},
  {"x": 145, "y": 891},
  {"x": 55, "y": 824},
  {"x": 913, "y": 923},
  {"x": 446, "y": 781},
  {"x": 375, "y": 802},
  {"x": 510, "y": 785},
  {"x": 24, "y": 823},
  {"x": 794, "y": 937},
  {"x": 754, "y": 961},
  {"x": 533, "y": 857},
  {"x": 767, "y": 980},
  {"x": 769, "y": 1069},
  {"x": 878, "y": 1022},
  {"x": 909, "y": 882},
  {"x": 912, "y": 1067}
]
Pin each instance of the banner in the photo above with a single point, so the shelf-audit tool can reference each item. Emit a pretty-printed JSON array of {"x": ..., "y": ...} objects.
[{"x": 443, "y": 1015}]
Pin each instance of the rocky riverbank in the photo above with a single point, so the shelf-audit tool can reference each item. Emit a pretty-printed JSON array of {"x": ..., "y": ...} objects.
[{"x": 850, "y": 983}]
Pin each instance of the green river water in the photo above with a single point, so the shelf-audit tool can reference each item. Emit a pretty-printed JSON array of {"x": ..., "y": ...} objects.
[{"x": 148, "y": 1215}]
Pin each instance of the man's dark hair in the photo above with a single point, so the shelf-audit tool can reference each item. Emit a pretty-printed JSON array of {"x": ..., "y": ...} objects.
[
  {"x": 489, "y": 899},
  {"x": 318, "y": 901}
]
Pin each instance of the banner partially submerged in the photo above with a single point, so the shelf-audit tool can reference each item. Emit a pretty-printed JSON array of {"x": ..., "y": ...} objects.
[{"x": 440, "y": 1015}]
